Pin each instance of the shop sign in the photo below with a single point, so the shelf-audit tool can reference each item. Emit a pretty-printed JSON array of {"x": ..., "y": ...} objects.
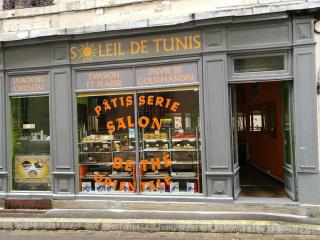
[
  {"x": 138, "y": 47},
  {"x": 104, "y": 79},
  {"x": 29, "y": 83},
  {"x": 167, "y": 74},
  {"x": 145, "y": 76}
]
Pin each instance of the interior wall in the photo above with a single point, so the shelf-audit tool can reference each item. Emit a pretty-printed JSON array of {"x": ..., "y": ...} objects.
[{"x": 265, "y": 146}]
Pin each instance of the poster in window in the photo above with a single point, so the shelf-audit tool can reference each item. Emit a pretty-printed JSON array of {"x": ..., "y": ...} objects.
[{"x": 32, "y": 169}]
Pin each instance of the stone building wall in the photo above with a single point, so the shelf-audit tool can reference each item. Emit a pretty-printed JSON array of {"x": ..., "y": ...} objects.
[{"x": 82, "y": 16}]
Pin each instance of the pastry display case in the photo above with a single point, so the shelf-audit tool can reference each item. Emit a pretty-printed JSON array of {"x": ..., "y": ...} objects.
[{"x": 96, "y": 155}]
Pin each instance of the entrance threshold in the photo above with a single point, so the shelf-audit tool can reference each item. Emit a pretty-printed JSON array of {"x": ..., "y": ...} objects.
[{"x": 258, "y": 200}]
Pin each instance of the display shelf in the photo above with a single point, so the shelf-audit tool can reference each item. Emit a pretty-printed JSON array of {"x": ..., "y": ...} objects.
[
  {"x": 156, "y": 140},
  {"x": 87, "y": 177},
  {"x": 98, "y": 141},
  {"x": 171, "y": 177},
  {"x": 126, "y": 140},
  {"x": 178, "y": 162},
  {"x": 125, "y": 151},
  {"x": 185, "y": 148},
  {"x": 148, "y": 148},
  {"x": 183, "y": 139},
  {"x": 95, "y": 152},
  {"x": 168, "y": 150},
  {"x": 110, "y": 176},
  {"x": 120, "y": 177},
  {"x": 152, "y": 177},
  {"x": 96, "y": 163},
  {"x": 154, "y": 150}
]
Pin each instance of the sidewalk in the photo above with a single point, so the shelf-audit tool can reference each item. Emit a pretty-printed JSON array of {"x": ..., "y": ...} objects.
[{"x": 109, "y": 215}]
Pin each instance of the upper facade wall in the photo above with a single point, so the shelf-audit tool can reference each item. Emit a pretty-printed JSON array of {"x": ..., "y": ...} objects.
[{"x": 83, "y": 16}]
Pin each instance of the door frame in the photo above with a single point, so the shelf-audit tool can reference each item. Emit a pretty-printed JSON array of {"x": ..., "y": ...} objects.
[{"x": 233, "y": 136}]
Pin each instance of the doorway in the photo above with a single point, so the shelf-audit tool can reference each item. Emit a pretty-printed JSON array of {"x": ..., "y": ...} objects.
[{"x": 262, "y": 136}]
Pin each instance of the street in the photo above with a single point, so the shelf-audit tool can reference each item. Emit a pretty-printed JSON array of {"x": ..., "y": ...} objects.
[{"x": 90, "y": 235}]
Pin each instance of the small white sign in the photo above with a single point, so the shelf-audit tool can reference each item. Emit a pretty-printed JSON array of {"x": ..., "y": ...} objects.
[{"x": 29, "y": 126}]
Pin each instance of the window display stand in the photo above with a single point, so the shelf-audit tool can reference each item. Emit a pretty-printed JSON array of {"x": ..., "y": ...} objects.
[
  {"x": 183, "y": 151},
  {"x": 96, "y": 153}
]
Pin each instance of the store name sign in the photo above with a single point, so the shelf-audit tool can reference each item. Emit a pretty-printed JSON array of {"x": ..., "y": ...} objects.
[
  {"x": 138, "y": 47},
  {"x": 29, "y": 83},
  {"x": 145, "y": 76}
]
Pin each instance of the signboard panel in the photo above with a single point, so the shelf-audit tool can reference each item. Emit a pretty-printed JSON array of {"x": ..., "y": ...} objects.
[
  {"x": 137, "y": 47},
  {"x": 167, "y": 74},
  {"x": 104, "y": 79},
  {"x": 29, "y": 83}
]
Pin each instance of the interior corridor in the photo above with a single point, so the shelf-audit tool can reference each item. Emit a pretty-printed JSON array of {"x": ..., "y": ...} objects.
[{"x": 260, "y": 140}]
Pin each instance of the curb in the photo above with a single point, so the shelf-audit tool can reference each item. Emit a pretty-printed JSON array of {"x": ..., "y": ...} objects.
[
  {"x": 156, "y": 225},
  {"x": 158, "y": 215}
]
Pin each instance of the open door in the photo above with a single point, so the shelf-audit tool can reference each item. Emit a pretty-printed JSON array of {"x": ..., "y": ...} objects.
[
  {"x": 262, "y": 140},
  {"x": 234, "y": 141},
  {"x": 288, "y": 144}
]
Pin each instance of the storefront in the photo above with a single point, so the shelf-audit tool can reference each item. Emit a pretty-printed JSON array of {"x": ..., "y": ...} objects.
[{"x": 153, "y": 116}]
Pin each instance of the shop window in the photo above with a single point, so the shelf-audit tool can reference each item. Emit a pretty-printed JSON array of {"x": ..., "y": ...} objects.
[
  {"x": 259, "y": 64},
  {"x": 169, "y": 144},
  {"x": 107, "y": 143},
  {"x": 164, "y": 157},
  {"x": 30, "y": 143}
]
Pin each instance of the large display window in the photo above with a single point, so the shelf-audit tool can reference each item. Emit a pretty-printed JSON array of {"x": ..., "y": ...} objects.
[
  {"x": 145, "y": 141},
  {"x": 106, "y": 143},
  {"x": 30, "y": 143},
  {"x": 170, "y": 142}
]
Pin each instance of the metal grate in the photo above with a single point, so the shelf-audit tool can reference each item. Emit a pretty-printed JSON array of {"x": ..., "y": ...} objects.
[{"x": 15, "y": 4}]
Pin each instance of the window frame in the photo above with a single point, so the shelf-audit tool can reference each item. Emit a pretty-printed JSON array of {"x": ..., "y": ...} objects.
[
  {"x": 9, "y": 152},
  {"x": 285, "y": 73},
  {"x": 135, "y": 92}
]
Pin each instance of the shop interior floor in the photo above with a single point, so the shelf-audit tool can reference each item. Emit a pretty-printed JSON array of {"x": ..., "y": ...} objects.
[{"x": 255, "y": 183}]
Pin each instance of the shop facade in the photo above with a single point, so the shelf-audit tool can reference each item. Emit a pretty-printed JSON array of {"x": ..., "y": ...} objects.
[{"x": 149, "y": 114}]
